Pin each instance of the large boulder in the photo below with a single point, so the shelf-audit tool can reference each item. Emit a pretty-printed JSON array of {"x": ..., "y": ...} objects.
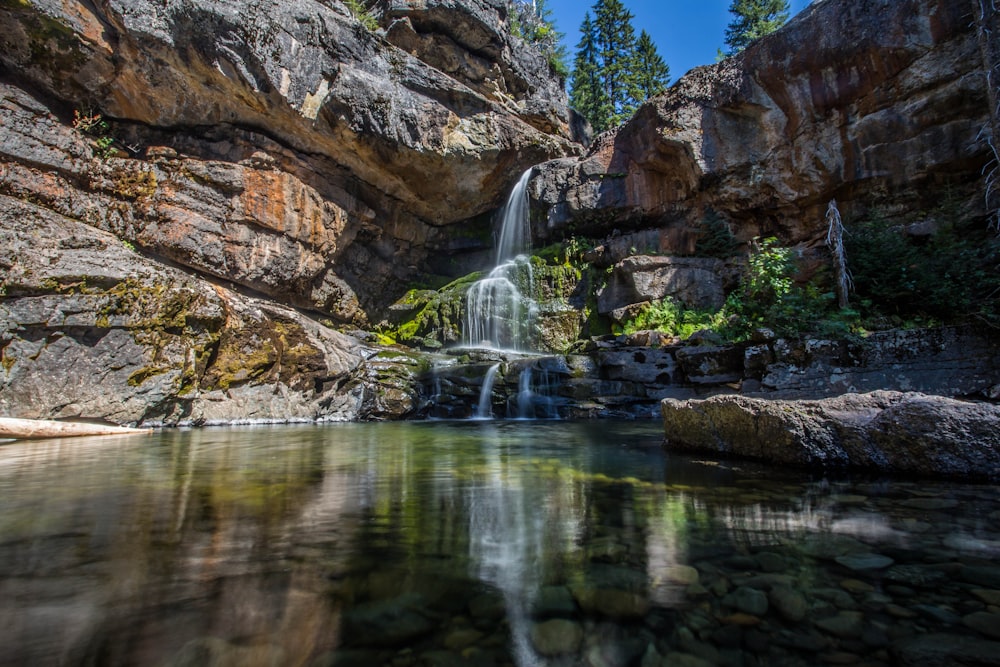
[
  {"x": 881, "y": 431},
  {"x": 874, "y": 104}
]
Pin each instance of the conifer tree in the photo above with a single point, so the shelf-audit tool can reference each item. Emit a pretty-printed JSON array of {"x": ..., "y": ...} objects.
[
  {"x": 587, "y": 94},
  {"x": 651, "y": 73},
  {"x": 613, "y": 72},
  {"x": 615, "y": 38},
  {"x": 752, "y": 19}
]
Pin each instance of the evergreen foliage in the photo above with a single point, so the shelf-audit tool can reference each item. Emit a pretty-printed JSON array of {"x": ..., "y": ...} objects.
[
  {"x": 532, "y": 21},
  {"x": 752, "y": 19},
  {"x": 651, "y": 72},
  {"x": 613, "y": 71},
  {"x": 587, "y": 93}
]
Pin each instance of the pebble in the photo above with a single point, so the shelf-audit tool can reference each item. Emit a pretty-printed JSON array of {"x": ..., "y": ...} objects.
[
  {"x": 846, "y": 624},
  {"x": 984, "y": 622}
]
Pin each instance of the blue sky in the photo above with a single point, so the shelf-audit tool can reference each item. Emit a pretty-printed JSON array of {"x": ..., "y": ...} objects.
[{"x": 687, "y": 33}]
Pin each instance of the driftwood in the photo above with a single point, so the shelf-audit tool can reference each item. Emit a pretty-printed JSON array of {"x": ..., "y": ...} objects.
[{"x": 45, "y": 428}]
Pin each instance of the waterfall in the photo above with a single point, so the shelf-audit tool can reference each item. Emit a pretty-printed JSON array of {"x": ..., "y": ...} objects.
[
  {"x": 485, "y": 409},
  {"x": 498, "y": 314}
]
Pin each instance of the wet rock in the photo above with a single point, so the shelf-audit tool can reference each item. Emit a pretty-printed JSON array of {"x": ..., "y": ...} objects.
[
  {"x": 612, "y": 602},
  {"x": 748, "y": 600},
  {"x": 789, "y": 603},
  {"x": 889, "y": 431},
  {"x": 388, "y": 622},
  {"x": 556, "y": 637},
  {"x": 846, "y": 624},
  {"x": 986, "y": 623},
  {"x": 864, "y": 562},
  {"x": 554, "y": 601},
  {"x": 945, "y": 650}
]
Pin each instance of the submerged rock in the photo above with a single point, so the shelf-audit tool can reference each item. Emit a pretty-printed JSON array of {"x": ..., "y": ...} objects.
[{"x": 885, "y": 431}]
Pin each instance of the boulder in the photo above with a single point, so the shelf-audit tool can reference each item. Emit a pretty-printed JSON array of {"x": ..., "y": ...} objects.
[
  {"x": 693, "y": 281},
  {"x": 883, "y": 431}
]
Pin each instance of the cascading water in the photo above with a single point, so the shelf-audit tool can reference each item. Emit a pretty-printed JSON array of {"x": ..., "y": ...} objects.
[
  {"x": 485, "y": 407},
  {"x": 498, "y": 314}
]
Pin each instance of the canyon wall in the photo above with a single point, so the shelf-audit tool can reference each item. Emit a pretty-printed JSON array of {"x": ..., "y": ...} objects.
[
  {"x": 881, "y": 105},
  {"x": 191, "y": 194}
]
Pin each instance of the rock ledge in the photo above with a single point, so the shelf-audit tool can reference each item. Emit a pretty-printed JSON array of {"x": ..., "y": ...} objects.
[{"x": 897, "y": 432}]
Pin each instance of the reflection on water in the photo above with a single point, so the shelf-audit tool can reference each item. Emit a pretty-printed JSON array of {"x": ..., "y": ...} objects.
[{"x": 473, "y": 543}]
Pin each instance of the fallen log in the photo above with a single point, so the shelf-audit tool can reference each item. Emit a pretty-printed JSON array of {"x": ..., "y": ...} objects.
[{"x": 46, "y": 428}]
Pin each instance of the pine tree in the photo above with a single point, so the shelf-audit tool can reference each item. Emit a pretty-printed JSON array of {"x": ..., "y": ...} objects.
[
  {"x": 587, "y": 94},
  {"x": 615, "y": 39},
  {"x": 651, "y": 73},
  {"x": 613, "y": 72},
  {"x": 752, "y": 20}
]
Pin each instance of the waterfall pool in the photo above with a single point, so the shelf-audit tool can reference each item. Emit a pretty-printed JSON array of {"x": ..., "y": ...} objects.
[{"x": 478, "y": 543}]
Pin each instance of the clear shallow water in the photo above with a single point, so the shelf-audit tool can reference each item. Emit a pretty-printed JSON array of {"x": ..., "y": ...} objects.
[{"x": 476, "y": 543}]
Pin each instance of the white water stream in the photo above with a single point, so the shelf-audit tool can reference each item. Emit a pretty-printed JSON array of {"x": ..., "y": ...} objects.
[{"x": 500, "y": 312}]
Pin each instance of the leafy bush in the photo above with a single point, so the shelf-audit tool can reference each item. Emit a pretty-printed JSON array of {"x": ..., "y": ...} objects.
[
  {"x": 362, "y": 14},
  {"x": 951, "y": 275},
  {"x": 671, "y": 318}
]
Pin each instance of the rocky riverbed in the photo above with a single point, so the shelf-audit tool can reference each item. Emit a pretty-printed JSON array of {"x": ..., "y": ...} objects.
[{"x": 815, "y": 574}]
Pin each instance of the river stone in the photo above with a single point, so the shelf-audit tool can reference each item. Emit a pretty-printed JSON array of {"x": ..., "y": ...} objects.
[
  {"x": 918, "y": 576},
  {"x": 984, "y": 622},
  {"x": 388, "y": 622},
  {"x": 554, "y": 601},
  {"x": 461, "y": 638},
  {"x": 768, "y": 561},
  {"x": 611, "y": 602},
  {"x": 981, "y": 575},
  {"x": 748, "y": 600},
  {"x": 681, "y": 574},
  {"x": 991, "y": 597},
  {"x": 789, "y": 603},
  {"x": 677, "y": 659},
  {"x": 945, "y": 650},
  {"x": 930, "y": 504},
  {"x": 556, "y": 637},
  {"x": 864, "y": 562},
  {"x": 846, "y": 624}
]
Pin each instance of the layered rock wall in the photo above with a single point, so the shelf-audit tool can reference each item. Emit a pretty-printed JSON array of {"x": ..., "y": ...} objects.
[
  {"x": 878, "y": 105},
  {"x": 282, "y": 146}
]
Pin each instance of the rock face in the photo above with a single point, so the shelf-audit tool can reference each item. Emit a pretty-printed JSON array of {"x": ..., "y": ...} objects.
[
  {"x": 281, "y": 146},
  {"x": 879, "y": 105},
  {"x": 91, "y": 329},
  {"x": 287, "y": 150},
  {"x": 881, "y": 431}
]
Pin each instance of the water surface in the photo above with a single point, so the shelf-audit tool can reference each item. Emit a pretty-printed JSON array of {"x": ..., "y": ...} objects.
[{"x": 476, "y": 543}]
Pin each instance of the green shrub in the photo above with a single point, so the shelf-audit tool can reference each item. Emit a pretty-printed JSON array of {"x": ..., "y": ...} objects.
[
  {"x": 951, "y": 275},
  {"x": 672, "y": 318},
  {"x": 362, "y": 14}
]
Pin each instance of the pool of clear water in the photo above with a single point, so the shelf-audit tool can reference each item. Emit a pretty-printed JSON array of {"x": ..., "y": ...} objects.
[{"x": 478, "y": 543}]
